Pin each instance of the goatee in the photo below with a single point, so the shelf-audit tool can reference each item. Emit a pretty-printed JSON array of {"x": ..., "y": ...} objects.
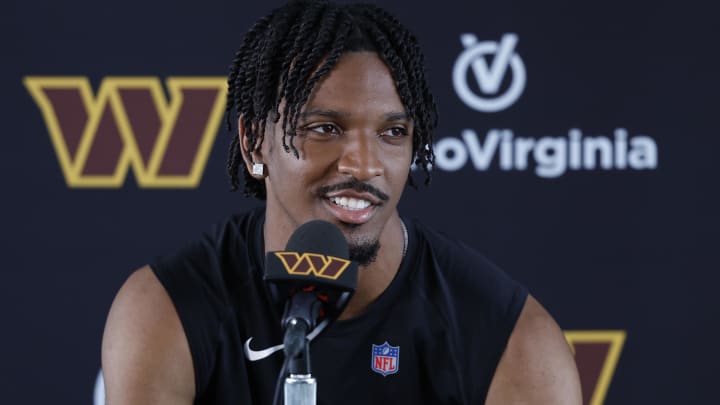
[{"x": 364, "y": 253}]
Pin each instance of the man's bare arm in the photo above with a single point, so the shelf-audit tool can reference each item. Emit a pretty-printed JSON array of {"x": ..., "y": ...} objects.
[
  {"x": 537, "y": 366},
  {"x": 145, "y": 355}
]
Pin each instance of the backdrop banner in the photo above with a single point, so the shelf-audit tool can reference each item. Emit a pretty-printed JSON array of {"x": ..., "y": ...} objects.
[{"x": 576, "y": 149}]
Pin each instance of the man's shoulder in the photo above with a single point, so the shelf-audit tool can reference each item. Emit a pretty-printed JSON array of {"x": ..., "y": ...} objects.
[
  {"x": 243, "y": 227},
  {"x": 204, "y": 275},
  {"x": 479, "y": 303},
  {"x": 467, "y": 276},
  {"x": 228, "y": 239},
  {"x": 208, "y": 279},
  {"x": 454, "y": 256},
  {"x": 144, "y": 346},
  {"x": 537, "y": 365}
]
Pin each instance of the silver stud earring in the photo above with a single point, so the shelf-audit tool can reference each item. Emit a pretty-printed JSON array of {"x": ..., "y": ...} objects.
[{"x": 258, "y": 169}]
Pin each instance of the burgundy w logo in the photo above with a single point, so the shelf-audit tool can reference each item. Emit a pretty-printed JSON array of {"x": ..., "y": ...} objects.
[
  {"x": 131, "y": 124},
  {"x": 596, "y": 354},
  {"x": 322, "y": 266}
]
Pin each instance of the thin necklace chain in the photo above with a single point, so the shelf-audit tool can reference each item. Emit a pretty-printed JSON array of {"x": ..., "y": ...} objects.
[{"x": 405, "y": 238}]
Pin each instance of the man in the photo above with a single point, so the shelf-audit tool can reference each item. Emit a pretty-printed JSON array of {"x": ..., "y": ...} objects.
[{"x": 332, "y": 110}]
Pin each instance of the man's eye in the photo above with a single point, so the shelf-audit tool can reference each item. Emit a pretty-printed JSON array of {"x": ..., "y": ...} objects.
[
  {"x": 327, "y": 129},
  {"x": 395, "y": 132}
]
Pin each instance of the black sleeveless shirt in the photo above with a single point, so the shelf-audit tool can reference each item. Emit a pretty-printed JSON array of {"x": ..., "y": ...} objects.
[{"x": 435, "y": 336}]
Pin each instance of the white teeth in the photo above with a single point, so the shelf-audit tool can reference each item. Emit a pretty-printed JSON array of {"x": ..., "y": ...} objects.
[{"x": 353, "y": 204}]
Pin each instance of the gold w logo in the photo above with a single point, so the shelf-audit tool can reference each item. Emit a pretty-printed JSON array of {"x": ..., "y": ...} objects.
[
  {"x": 130, "y": 124},
  {"x": 596, "y": 355},
  {"x": 322, "y": 266}
]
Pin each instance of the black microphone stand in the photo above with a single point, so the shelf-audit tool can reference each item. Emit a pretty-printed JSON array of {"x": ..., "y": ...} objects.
[
  {"x": 314, "y": 281},
  {"x": 300, "y": 387}
]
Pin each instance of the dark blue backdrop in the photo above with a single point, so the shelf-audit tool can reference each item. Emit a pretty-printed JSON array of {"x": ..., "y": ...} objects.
[{"x": 626, "y": 246}]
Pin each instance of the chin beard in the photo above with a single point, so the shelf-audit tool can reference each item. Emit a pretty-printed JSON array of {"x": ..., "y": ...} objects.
[{"x": 364, "y": 252}]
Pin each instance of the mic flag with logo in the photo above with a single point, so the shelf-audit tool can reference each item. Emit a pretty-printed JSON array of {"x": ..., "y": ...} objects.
[{"x": 314, "y": 260}]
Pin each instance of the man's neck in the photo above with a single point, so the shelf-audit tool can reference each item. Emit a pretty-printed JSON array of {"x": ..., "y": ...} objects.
[{"x": 376, "y": 277}]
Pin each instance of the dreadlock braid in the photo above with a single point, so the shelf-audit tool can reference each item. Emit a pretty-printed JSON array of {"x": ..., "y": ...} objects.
[
  {"x": 418, "y": 94},
  {"x": 286, "y": 54},
  {"x": 313, "y": 48}
]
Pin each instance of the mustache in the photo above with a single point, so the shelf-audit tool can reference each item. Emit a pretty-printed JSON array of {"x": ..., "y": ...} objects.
[{"x": 354, "y": 185}]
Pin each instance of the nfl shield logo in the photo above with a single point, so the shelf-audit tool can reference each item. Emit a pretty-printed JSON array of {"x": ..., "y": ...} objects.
[{"x": 385, "y": 359}]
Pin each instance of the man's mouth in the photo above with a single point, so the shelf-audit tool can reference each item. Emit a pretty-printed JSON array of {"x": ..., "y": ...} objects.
[
  {"x": 351, "y": 208},
  {"x": 352, "y": 203},
  {"x": 354, "y": 189},
  {"x": 349, "y": 203}
]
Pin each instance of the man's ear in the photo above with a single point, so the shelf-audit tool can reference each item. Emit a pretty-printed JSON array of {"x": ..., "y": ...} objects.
[{"x": 250, "y": 158}]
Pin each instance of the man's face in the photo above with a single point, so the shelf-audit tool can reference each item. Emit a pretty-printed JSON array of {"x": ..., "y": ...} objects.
[{"x": 355, "y": 145}]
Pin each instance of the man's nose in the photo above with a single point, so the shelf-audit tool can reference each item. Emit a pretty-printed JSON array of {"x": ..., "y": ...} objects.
[{"x": 361, "y": 157}]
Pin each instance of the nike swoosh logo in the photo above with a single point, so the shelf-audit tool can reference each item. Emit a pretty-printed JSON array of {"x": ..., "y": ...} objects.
[{"x": 255, "y": 355}]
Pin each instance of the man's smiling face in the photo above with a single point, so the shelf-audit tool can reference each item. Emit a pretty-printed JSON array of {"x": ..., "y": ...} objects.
[{"x": 355, "y": 148}]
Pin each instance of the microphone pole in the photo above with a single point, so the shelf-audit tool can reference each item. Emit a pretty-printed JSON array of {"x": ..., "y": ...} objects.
[{"x": 300, "y": 386}]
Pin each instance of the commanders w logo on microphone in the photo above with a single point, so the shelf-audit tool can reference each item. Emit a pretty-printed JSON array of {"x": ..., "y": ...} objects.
[
  {"x": 330, "y": 267},
  {"x": 131, "y": 124}
]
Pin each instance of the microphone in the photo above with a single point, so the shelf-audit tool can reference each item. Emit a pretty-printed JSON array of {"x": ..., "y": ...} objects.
[{"x": 313, "y": 280}]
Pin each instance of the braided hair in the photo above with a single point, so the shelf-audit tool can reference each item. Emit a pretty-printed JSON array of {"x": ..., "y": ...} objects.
[{"x": 287, "y": 53}]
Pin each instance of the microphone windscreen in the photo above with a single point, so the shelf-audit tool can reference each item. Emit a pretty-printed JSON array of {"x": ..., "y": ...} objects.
[
  {"x": 316, "y": 254},
  {"x": 316, "y": 259},
  {"x": 321, "y": 237}
]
